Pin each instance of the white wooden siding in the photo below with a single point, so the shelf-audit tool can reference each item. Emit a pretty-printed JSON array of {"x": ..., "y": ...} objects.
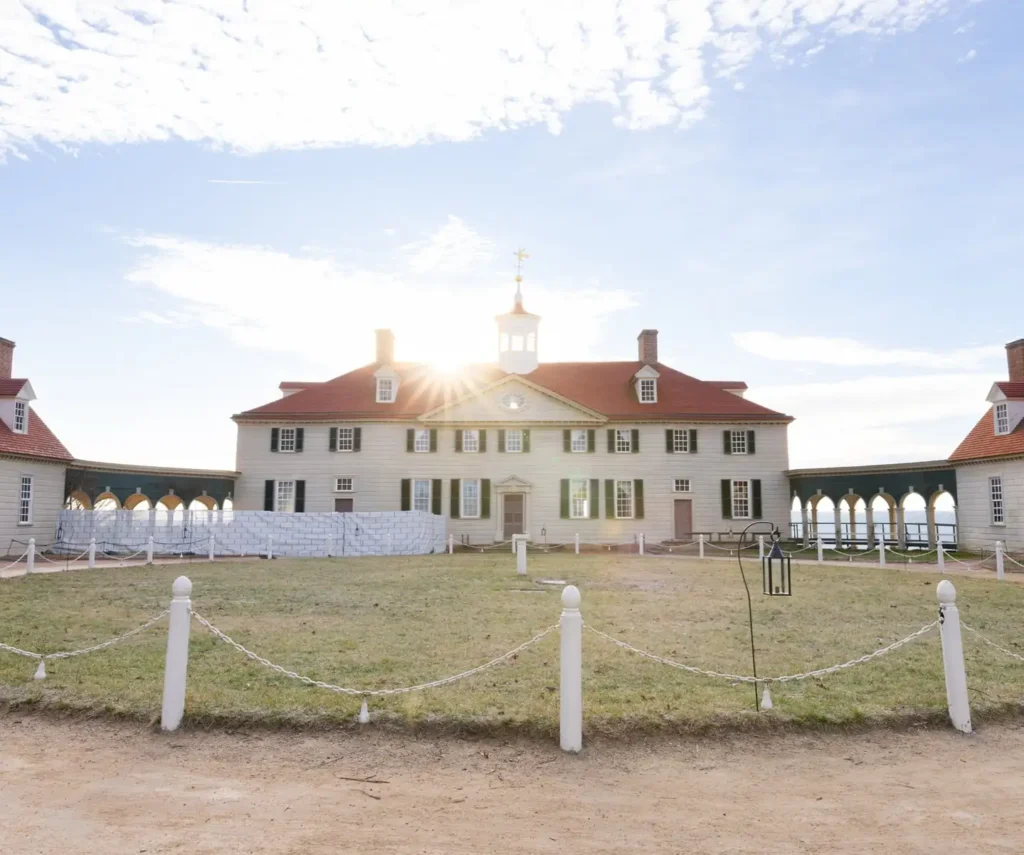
[
  {"x": 47, "y": 500},
  {"x": 974, "y": 507}
]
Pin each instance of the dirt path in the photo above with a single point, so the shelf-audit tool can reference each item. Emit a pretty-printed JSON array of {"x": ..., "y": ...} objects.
[{"x": 84, "y": 788}]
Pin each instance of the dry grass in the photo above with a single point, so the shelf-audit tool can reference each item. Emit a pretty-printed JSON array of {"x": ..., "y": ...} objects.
[{"x": 376, "y": 622}]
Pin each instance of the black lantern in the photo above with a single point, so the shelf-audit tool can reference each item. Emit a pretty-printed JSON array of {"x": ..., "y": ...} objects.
[{"x": 775, "y": 570}]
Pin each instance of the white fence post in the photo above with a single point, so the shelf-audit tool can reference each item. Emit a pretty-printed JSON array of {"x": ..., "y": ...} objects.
[
  {"x": 640, "y": 542},
  {"x": 176, "y": 666},
  {"x": 92, "y": 552},
  {"x": 821, "y": 551},
  {"x": 760, "y": 547},
  {"x": 30, "y": 556},
  {"x": 577, "y": 543},
  {"x": 570, "y": 706},
  {"x": 213, "y": 547},
  {"x": 149, "y": 550},
  {"x": 521, "y": 556},
  {"x": 270, "y": 546},
  {"x": 940, "y": 555},
  {"x": 700, "y": 545},
  {"x": 1000, "y": 570},
  {"x": 881, "y": 550},
  {"x": 451, "y": 544},
  {"x": 953, "y": 657}
]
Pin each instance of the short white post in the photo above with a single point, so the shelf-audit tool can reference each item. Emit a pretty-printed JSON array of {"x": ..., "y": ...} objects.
[
  {"x": 270, "y": 546},
  {"x": 213, "y": 547},
  {"x": 821, "y": 551},
  {"x": 1000, "y": 570},
  {"x": 330, "y": 545},
  {"x": 881, "y": 549},
  {"x": 940, "y": 555},
  {"x": 149, "y": 551},
  {"x": 577, "y": 543},
  {"x": 700, "y": 545},
  {"x": 953, "y": 657},
  {"x": 92, "y": 552},
  {"x": 451, "y": 544},
  {"x": 513, "y": 544},
  {"x": 760, "y": 547},
  {"x": 570, "y": 706},
  {"x": 521, "y": 556},
  {"x": 30, "y": 556},
  {"x": 640, "y": 542},
  {"x": 176, "y": 666}
]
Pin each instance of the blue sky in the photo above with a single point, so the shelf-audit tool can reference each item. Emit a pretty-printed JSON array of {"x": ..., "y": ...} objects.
[{"x": 823, "y": 199}]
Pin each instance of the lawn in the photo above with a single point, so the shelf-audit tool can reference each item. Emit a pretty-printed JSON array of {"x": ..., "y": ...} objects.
[{"x": 384, "y": 622}]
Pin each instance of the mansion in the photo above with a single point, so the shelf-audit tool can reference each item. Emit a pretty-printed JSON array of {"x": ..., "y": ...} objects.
[{"x": 603, "y": 449}]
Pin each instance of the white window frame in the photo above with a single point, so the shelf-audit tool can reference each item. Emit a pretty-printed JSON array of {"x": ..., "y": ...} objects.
[
  {"x": 385, "y": 390},
  {"x": 737, "y": 500},
  {"x": 339, "y": 484},
  {"x": 518, "y": 343},
  {"x": 623, "y": 441},
  {"x": 579, "y": 501},
  {"x": 475, "y": 484},
  {"x": 681, "y": 485},
  {"x": 997, "y": 500},
  {"x": 290, "y": 433},
  {"x": 26, "y": 499},
  {"x": 20, "y": 417},
  {"x": 531, "y": 342},
  {"x": 284, "y": 503},
  {"x": 738, "y": 444},
  {"x": 346, "y": 439},
  {"x": 471, "y": 447},
  {"x": 421, "y": 440},
  {"x": 429, "y": 497},
  {"x": 578, "y": 441},
  {"x": 517, "y": 433},
  {"x": 648, "y": 390},
  {"x": 680, "y": 447},
  {"x": 627, "y": 495},
  {"x": 1002, "y": 419}
]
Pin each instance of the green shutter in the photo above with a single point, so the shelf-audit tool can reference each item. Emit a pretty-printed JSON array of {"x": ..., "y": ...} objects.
[
  {"x": 693, "y": 440},
  {"x": 300, "y": 435},
  {"x": 458, "y": 440},
  {"x": 483, "y": 440},
  {"x": 726, "y": 499},
  {"x": 670, "y": 446},
  {"x": 300, "y": 497},
  {"x": 609, "y": 499},
  {"x": 501, "y": 440},
  {"x": 526, "y": 440},
  {"x": 750, "y": 442},
  {"x": 332, "y": 443},
  {"x": 410, "y": 439},
  {"x": 433, "y": 439},
  {"x": 435, "y": 497},
  {"x": 591, "y": 441},
  {"x": 485, "y": 499},
  {"x": 727, "y": 441},
  {"x": 564, "y": 503},
  {"x": 638, "y": 499},
  {"x": 456, "y": 487},
  {"x": 635, "y": 443},
  {"x": 611, "y": 441},
  {"x": 595, "y": 498},
  {"x": 756, "y": 489},
  {"x": 274, "y": 434},
  {"x": 268, "y": 494},
  {"x": 357, "y": 439},
  {"x": 566, "y": 440},
  {"x": 406, "y": 494}
]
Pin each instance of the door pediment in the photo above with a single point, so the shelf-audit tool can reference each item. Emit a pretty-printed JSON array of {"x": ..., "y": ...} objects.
[{"x": 513, "y": 484}]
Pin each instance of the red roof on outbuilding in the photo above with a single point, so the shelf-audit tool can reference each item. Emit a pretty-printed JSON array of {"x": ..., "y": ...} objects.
[
  {"x": 982, "y": 443},
  {"x": 11, "y": 387},
  {"x": 38, "y": 442},
  {"x": 1011, "y": 390}
]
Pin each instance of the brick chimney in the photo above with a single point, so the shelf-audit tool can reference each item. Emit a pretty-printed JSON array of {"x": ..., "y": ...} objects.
[
  {"x": 6, "y": 359},
  {"x": 385, "y": 347},
  {"x": 1014, "y": 360},
  {"x": 648, "y": 340}
]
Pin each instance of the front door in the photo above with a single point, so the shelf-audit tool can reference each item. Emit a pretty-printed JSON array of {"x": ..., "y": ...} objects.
[
  {"x": 514, "y": 503},
  {"x": 684, "y": 519},
  {"x": 343, "y": 506}
]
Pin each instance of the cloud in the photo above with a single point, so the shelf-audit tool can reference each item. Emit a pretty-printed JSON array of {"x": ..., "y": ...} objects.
[
  {"x": 851, "y": 353},
  {"x": 304, "y": 74},
  {"x": 454, "y": 248},
  {"x": 967, "y": 57}
]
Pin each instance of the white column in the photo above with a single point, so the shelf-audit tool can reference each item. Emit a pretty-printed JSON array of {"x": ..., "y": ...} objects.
[
  {"x": 149, "y": 550},
  {"x": 953, "y": 657},
  {"x": 213, "y": 546},
  {"x": 760, "y": 547},
  {"x": 805, "y": 524},
  {"x": 92, "y": 552},
  {"x": 577, "y": 543},
  {"x": 700, "y": 545},
  {"x": 451, "y": 544},
  {"x": 1000, "y": 570},
  {"x": 821, "y": 550},
  {"x": 570, "y": 708},
  {"x": 640, "y": 542},
  {"x": 176, "y": 666},
  {"x": 270, "y": 546},
  {"x": 940, "y": 555},
  {"x": 881, "y": 548},
  {"x": 30, "y": 556},
  {"x": 521, "y": 556}
]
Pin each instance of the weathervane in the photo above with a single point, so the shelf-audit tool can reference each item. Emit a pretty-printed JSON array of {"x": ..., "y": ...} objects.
[{"x": 521, "y": 255}]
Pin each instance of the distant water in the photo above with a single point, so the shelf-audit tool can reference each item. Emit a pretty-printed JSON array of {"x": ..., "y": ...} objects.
[{"x": 916, "y": 522}]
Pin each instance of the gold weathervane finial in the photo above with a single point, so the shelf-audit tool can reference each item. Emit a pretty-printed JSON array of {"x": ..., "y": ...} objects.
[{"x": 521, "y": 255}]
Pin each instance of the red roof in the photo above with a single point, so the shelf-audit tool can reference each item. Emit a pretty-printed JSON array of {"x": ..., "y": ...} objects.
[
  {"x": 298, "y": 384},
  {"x": 38, "y": 442},
  {"x": 728, "y": 384},
  {"x": 982, "y": 442},
  {"x": 1011, "y": 390},
  {"x": 606, "y": 387},
  {"x": 11, "y": 387}
]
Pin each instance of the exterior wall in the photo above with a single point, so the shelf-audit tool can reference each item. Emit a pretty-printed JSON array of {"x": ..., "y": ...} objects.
[
  {"x": 383, "y": 462},
  {"x": 974, "y": 512},
  {"x": 47, "y": 500}
]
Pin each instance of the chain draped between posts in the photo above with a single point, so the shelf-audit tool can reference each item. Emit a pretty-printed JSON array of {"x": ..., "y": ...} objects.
[
  {"x": 991, "y": 643},
  {"x": 67, "y": 654},
  {"x": 15, "y": 561}
]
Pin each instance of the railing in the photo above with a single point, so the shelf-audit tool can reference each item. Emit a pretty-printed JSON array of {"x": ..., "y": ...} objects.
[{"x": 916, "y": 533}]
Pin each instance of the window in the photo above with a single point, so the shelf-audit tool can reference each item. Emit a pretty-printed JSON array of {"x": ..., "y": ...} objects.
[
  {"x": 623, "y": 500},
  {"x": 681, "y": 441},
  {"x": 995, "y": 490},
  {"x": 422, "y": 442},
  {"x": 579, "y": 499},
  {"x": 20, "y": 417},
  {"x": 504, "y": 342},
  {"x": 385, "y": 390},
  {"x": 681, "y": 485},
  {"x": 623, "y": 440},
  {"x": 648, "y": 392},
  {"x": 513, "y": 440},
  {"x": 421, "y": 496},
  {"x": 287, "y": 441},
  {"x": 343, "y": 485},
  {"x": 1002, "y": 420},
  {"x": 285, "y": 495},
  {"x": 739, "y": 443},
  {"x": 531, "y": 342},
  {"x": 471, "y": 440},
  {"x": 25, "y": 501},
  {"x": 517, "y": 342},
  {"x": 470, "y": 499},
  {"x": 579, "y": 440},
  {"x": 741, "y": 500},
  {"x": 346, "y": 439}
]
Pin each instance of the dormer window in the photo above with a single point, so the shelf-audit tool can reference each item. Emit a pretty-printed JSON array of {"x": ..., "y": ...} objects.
[
  {"x": 20, "y": 417},
  {"x": 648, "y": 391},
  {"x": 385, "y": 390},
  {"x": 1002, "y": 416}
]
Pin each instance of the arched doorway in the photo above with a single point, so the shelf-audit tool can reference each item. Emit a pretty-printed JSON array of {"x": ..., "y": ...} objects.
[
  {"x": 912, "y": 521},
  {"x": 78, "y": 501},
  {"x": 942, "y": 520}
]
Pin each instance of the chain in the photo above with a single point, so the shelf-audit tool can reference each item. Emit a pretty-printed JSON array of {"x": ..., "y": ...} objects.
[
  {"x": 992, "y": 643},
  {"x": 117, "y": 557},
  {"x": 369, "y": 692},
  {"x": 1012, "y": 560},
  {"x": 69, "y": 653},
  {"x": 971, "y": 566},
  {"x": 15, "y": 561},
  {"x": 735, "y": 678}
]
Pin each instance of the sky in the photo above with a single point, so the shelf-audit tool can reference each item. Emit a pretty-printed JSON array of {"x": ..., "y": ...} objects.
[{"x": 200, "y": 199}]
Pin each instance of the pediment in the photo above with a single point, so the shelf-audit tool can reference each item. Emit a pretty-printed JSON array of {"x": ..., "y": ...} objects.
[
  {"x": 510, "y": 400},
  {"x": 513, "y": 484}
]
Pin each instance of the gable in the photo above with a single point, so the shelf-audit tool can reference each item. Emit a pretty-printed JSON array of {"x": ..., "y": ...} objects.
[{"x": 510, "y": 400}]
